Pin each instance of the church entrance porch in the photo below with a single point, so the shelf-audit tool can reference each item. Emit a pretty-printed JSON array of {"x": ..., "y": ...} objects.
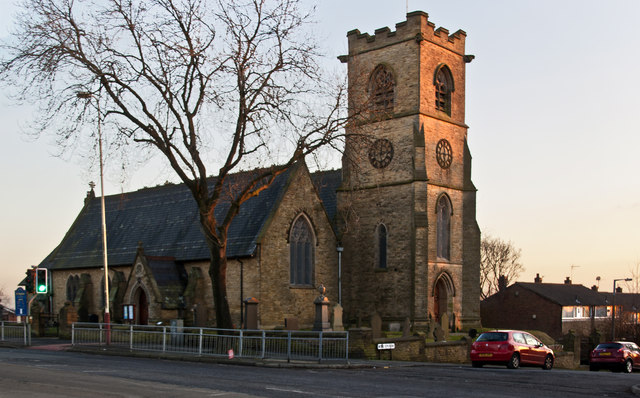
[{"x": 142, "y": 307}]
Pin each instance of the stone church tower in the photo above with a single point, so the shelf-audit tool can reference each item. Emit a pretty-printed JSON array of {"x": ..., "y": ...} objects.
[{"x": 407, "y": 203}]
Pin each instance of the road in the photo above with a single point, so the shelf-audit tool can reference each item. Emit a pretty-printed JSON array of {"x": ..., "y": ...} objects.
[{"x": 39, "y": 373}]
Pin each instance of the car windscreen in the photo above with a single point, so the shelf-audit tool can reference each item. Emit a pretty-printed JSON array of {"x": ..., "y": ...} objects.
[
  {"x": 605, "y": 346},
  {"x": 493, "y": 336}
]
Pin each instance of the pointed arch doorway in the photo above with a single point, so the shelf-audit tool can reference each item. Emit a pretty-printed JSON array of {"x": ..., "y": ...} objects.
[
  {"x": 142, "y": 307},
  {"x": 443, "y": 293}
]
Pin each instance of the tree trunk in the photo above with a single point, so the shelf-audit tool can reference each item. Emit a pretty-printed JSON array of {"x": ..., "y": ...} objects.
[{"x": 218, "y": 275}]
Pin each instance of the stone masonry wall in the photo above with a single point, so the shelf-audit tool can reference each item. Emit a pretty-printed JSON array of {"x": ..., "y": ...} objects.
[{"x": 278, "y": 299}]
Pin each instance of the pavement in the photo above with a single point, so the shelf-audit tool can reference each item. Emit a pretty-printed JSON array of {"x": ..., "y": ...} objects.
[{"x": 55, "y": 344}]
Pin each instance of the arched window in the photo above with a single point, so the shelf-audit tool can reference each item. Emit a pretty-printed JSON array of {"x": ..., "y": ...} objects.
[
  {"x": 444, "y": 87},
  {"x": 382, "y": 87},
  {"x": 302, "y": 252},
  {"x": 444, "y": 228},
  {"x": 72, "y": 287},
  {"x": 381, "y": 247}
]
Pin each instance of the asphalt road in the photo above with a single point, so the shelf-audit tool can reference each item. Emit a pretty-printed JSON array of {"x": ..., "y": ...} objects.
[{"x": 38, "y": 373}]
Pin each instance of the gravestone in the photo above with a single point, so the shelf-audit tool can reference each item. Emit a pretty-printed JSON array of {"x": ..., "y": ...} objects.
[
  {"x": 337, "y": 318},
  {"x": 444, "y": 324},
  {"x": 406, "y": 327},
  {"x": 376, "y": 326},
  {"x": 438, "y": 333}
]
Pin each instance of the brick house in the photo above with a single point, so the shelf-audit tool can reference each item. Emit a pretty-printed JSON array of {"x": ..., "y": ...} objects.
[
  {"x": 402, "y": 209},
  {"x": 554, "y": 308}
]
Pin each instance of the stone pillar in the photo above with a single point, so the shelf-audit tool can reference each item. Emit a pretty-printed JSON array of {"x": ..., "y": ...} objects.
[
  {"x": 322, "y": 311},
  {"x": 251, "y": 313}
]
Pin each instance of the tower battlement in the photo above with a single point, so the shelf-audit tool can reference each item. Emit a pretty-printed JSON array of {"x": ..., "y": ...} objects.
[{"x": 417, "y": 27}]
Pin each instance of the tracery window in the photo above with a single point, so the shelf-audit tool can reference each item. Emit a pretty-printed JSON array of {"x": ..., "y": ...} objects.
[
  {"x": 444, "y": 87},
  {"x": 444, "y": 228},
  {"x": 73, "y": 282},
  {"x": 381, "y": 247},
  {"x": 382, "y": 89},
  {"x": 302, "y": 252}
]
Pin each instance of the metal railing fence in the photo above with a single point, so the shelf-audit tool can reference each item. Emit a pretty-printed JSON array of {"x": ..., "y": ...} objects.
[
  {"x": 15, "y": 332},
  {"x": 255, "y": 344}
]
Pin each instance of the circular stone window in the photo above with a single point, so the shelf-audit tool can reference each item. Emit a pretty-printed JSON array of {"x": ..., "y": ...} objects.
[
  {"x": 444, "y": 154},
  {"x": 380, "y": 153}
]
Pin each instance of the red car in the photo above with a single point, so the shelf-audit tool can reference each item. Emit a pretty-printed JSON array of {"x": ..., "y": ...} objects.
[
  {"x": 512, "y": 348},
  {"x": 616, "y": 356}
]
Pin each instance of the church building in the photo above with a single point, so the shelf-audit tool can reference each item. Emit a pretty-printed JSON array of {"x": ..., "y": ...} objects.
[{"x": 393, "y": 232}]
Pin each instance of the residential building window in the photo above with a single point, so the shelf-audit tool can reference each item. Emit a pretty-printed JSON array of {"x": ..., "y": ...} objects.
[
  {"x": 578, "y": 311},
  {"x": 444, "y": 87},
  {"x": 444, "y": 228},
  {"x": 381, "y": 247},
  {"x": 302, "y": 252},
  {"x": 382, "y": 89}
]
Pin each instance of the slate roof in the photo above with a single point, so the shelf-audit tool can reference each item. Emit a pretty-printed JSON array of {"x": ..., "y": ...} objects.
[
  {"x": 630, "y": 302},
  {"x": 165, "y": 220},
  {"x": 170, "y": 277},
  {"x": 565, "y": 294}
]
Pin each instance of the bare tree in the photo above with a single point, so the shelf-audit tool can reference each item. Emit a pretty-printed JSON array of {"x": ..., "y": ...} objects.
[
  {"x": 229, "y": 84},
  {"x": 497, "y": 259}
]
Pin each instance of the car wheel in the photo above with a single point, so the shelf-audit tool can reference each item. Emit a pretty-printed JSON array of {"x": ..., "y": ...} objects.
[
  {"x": 628, "y": 366},
  {"x": 548, "y": 363},
  {"x": 476, "y": 364},
  {"x": 514, "y": 362},
  {"x": 593, "y": 368}
]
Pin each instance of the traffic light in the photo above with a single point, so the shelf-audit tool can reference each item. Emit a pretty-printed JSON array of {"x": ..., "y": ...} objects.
[
  {"x": 30, "y": 281},
  {"x": 41, "y": 281}
]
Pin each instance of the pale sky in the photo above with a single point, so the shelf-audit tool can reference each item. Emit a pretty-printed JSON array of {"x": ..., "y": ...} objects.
[{"x": 552, "y": 107}]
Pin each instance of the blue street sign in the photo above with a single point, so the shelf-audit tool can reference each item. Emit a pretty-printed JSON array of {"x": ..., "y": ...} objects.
[{"x": 21, "y": 302}]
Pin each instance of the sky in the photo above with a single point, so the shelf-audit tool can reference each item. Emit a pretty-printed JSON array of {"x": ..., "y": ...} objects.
[{"x": 553, "y": 105}]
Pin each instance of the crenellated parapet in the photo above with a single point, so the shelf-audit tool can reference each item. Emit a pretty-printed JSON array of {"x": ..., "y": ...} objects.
[{"x": 417, "y": 27}]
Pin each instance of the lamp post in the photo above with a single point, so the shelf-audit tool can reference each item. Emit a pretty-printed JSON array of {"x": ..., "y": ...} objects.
[
  {"x": 340, "y": 249},
  {"x": 613, "y": 308},
  {"x": 107, "y": 316}
]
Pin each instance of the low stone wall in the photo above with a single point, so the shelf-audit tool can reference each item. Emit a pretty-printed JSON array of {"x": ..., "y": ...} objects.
[{"x": 414, "y": 348}]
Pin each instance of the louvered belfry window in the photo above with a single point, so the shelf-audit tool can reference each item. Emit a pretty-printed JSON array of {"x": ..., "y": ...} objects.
[
  {"x": 301, "y": 253},
  {"x": 382, "y": 89},
  {"x": 444, "y": 87}
]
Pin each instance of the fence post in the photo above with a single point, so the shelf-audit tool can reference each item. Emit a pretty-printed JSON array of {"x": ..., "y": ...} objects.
[
  {"x": 346, "y": 338},
  {"x": 164, "y": 339},
  {"x": 200, "y": 343},
  {"x": 73, "y": 334},
  {"x": 263, "y": 344},
  {"x": 130, "y": 337},
  {"x": 2, "y": 323},
  {"x": 28, "y": 334},
  {"x": 320, "y": 349},
  {"x": 289, "y": 346},
  {"x": 100, "y": 333},
  {"x": 240, "y": 344}
]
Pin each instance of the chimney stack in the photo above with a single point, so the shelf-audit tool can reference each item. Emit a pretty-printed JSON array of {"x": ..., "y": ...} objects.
[
  {"x": 567, "y": 281},
  {"x": 538, "y": 279},
  {"x": 502, "y": 283}
]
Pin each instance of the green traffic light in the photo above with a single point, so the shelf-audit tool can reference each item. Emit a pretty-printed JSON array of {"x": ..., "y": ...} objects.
[{"x": 42, "y": 288}]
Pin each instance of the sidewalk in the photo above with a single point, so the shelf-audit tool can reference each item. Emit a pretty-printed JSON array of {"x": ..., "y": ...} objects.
[{"x": 55, "y": 344}]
